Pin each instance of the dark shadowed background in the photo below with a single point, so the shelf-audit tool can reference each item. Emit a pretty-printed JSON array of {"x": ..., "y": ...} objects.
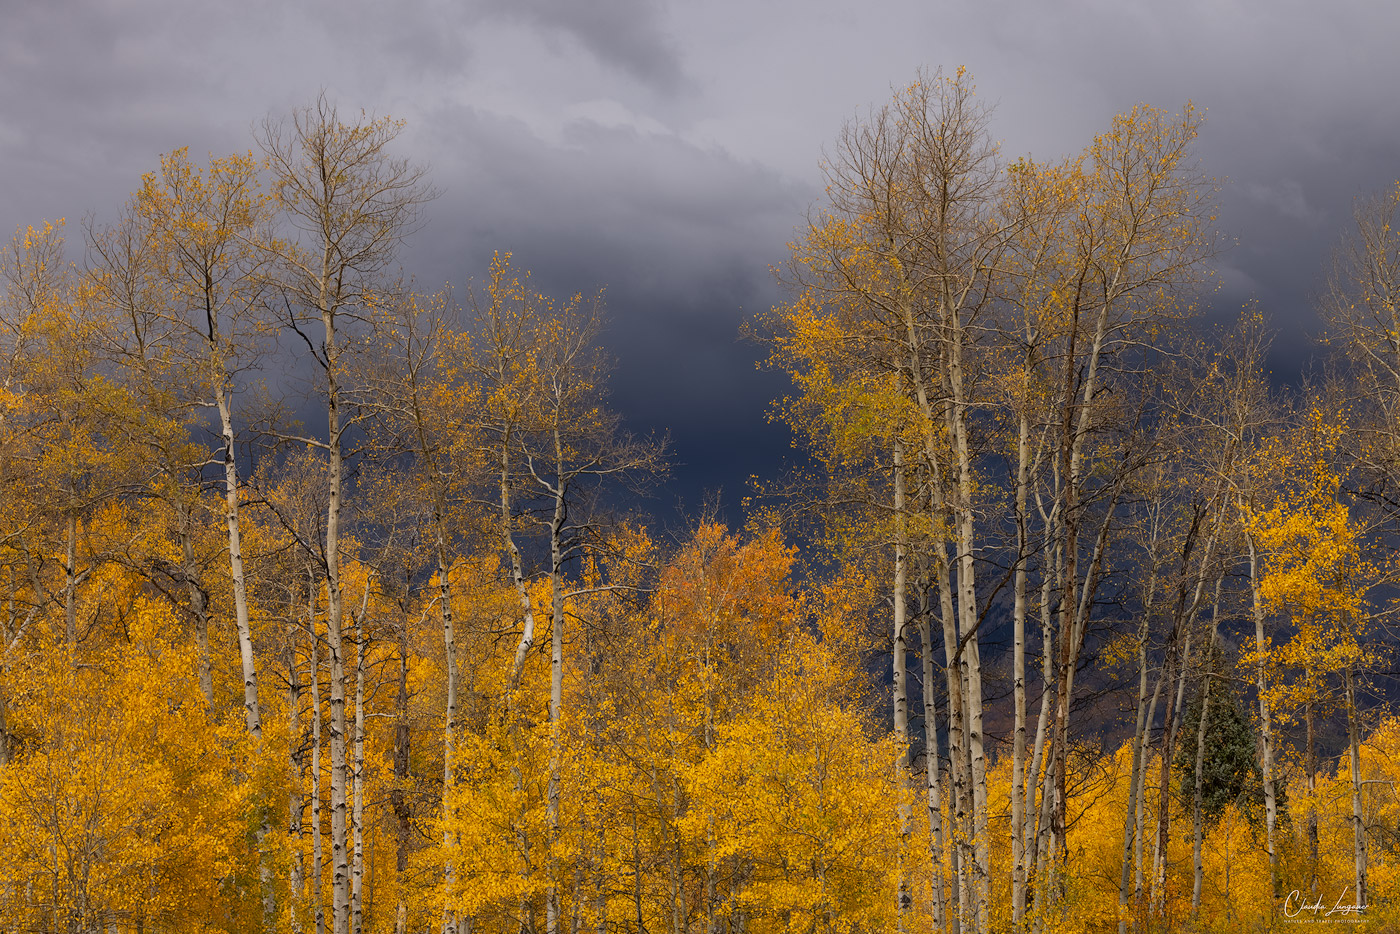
[{"x": 665, "y": 151}]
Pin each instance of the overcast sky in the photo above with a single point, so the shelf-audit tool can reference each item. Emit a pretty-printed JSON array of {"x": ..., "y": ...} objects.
[{"x": 667, "y": 150}]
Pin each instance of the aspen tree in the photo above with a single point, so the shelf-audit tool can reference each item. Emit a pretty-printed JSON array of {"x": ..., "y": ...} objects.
[
  {"x": 118, "y": 810},
  {"x": 1155, "y": 512},
  {"x": 1244, "y": 416},
  {"x": 317, "y": 851},
  {"x": 1208, "y": 674},
  {"x": 1138, "y": 236},
  {"x": 1212, "y": 412},
  {"x": 1362, "y": 305},
  {"x": 910, "y": 241},
  {"x": 345, "y": 205},
  {"x": 423, "y": 408},
  {"x": 538, "y": 380},
  {"x": 296, "y": 748},
  {"x": 52, "y": 329},
  {"x": 1037, "y": 202},
  {"x": 202, "y": 224},
  {"x": 292, "y": 493},
  {"x": 933, "y": 785},
  {"x": 1322, "y": 563},
  {"x": 403, "y": 739},
  {"x": 124, "y": 274},
  {"x": 498, "y": 359},
  {"x": 579, "y": 445},
  {"x": 927, "y": 239},
  {"x": 197, "y": 229},
  {"x": 507, "y": 318}
]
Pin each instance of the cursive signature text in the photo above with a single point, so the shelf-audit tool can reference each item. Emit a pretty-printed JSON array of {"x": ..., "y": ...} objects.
[{"x": 1295, "y": 904}]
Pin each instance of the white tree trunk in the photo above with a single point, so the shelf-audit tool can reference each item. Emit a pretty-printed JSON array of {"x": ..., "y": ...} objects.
[
  {"x": 358, "y": 775},
  {"x": 556, "y": 682},
  {"x": 1357, "y": 822},
  {"x": 934, "y": 790},
  {"x": 296, "y": 764},
  {"x": 900, "y": 673},
  {"x": 1197, "y": 819},
  {"x": 522, "y": 590},
  {"x": 335, "y": 615},
  {"x": 251, "y": 711},
  {"x": 317, "y": 852},
  {"x": 1266, "y": 726},
  {"x": 1018, "y": 680},
  {"x": 449, "y": 749}
]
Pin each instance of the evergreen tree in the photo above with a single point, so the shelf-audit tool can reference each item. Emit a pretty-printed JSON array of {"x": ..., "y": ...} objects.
[{"x": 1230, "y": 769}]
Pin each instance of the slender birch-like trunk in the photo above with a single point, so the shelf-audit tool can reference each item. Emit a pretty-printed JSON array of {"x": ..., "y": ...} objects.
[
  {"x": 449, "y": 728},
  {"x": 357, "y": 865},
  {"x": 1266, "y": 730},
  {"x": 900, "y": 674},
  {"x": 403, "y": 737},
  {"x": 296, "y": 765},
  {"x": 251, "y": 710},
  {"x": 1140, "y": 810},
  {"x": 1018, "y": 676},
  {"x": 1142, "y": 724},
  {"x": 317, "y": 853},
  {"x": 970, "y": 661},
  {"x": 517, "y": 570},
  {"x": 1073, "y": 434},
  {"x": 934, "y": 789},
  {"x": 1164, "y": 780},
  {"x": 1184, "y": 611},
  {"x": 335, "y": 609},
  {"x": 1043, "y": 761},
  {"x": 1310, "y": 760},
  {"x": 1036, "y": 779},
  {"x": 1197, "y": 822},
  {"x": 556, "y": 678},
  {"x": 958, "y": 802},
  {"x": 1357, "y": 822},
  {"x": 1173, "y": 722},
  {"x": 1197, "y": 819},
  {"x": 1181, "y": 687}
]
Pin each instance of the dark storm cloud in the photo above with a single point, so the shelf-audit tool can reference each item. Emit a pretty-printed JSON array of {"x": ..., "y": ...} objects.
[
  {"x": 666, "y": 150},
  {"x": 678, "y": 236}
]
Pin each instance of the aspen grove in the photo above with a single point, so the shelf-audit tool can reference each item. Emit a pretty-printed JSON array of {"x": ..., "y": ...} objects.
[{"x": 1073, "y": 621}]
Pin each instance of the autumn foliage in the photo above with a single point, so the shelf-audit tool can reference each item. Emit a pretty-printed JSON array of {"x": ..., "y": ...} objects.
[{"x": 1074, "y": 624}]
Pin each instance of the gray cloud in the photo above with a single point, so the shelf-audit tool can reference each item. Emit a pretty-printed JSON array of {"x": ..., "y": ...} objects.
[
  {"x": 666, "y": 150},
  {"x": 1286, "y": 197},
  {"x": 627, "y": 34}
]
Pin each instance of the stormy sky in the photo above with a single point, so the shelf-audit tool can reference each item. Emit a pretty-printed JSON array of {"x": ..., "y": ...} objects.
[{"x": 666, "y": 151}]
